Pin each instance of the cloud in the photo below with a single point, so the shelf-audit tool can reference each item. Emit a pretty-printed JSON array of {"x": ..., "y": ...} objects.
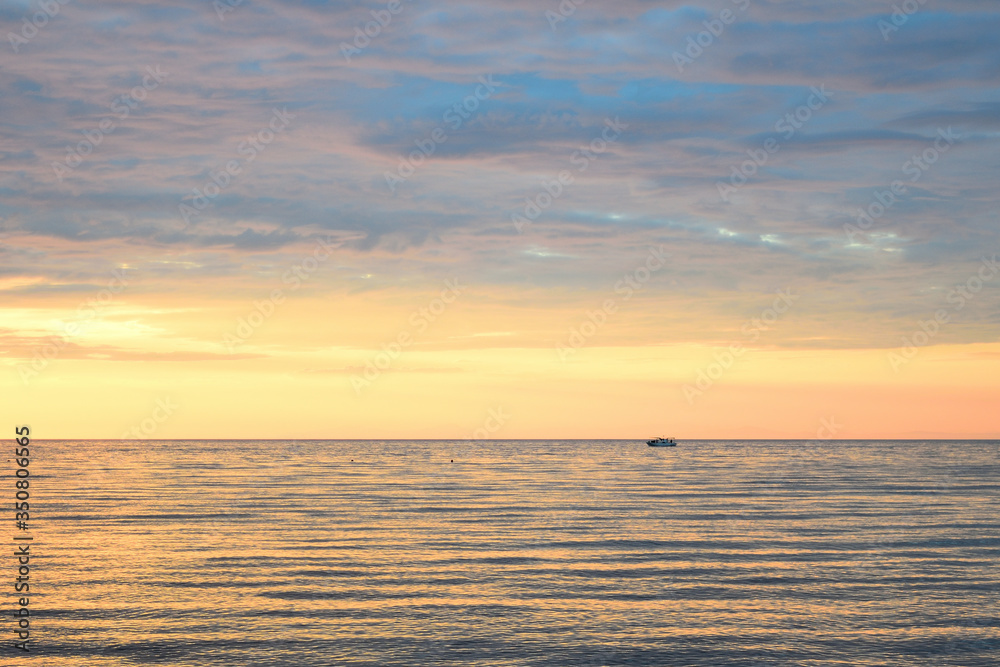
[{"x": 354, "y": 120}]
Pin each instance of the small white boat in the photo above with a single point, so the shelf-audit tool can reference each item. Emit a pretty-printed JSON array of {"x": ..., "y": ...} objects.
[{"x": 661, "y": 442}]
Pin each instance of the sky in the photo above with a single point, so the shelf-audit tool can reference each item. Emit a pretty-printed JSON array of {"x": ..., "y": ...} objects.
[{"x": 438, "y": 219}]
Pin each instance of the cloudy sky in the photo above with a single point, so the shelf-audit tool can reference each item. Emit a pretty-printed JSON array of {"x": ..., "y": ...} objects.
[{"x": 509, "y": 219}]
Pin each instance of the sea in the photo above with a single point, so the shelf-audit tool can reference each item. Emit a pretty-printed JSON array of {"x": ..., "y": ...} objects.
[{"x": 541, "y": 553}]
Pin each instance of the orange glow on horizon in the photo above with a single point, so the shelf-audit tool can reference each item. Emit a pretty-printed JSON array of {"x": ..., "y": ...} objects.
[{"x": 302, "y": 374}]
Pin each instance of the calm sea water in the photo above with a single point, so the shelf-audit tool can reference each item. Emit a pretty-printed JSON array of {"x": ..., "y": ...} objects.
[{"x": 516, "y": 553}]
